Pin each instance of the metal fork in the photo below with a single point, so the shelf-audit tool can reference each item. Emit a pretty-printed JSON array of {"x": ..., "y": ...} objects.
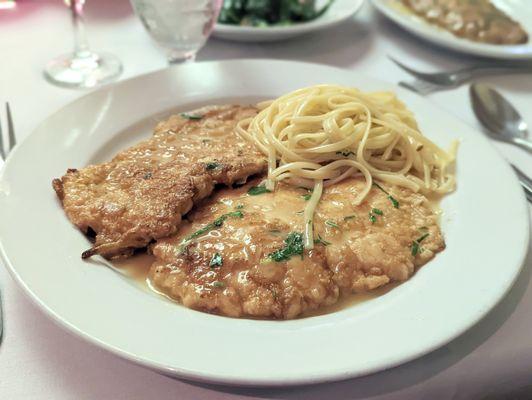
[
  {"x": 3, "y": 154},
  {"x": 4, "y": 151},
  {"x": 426, "y": 83}
]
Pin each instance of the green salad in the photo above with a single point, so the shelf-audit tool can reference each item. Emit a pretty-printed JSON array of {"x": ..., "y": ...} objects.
[{"x": 270, "y": 12}]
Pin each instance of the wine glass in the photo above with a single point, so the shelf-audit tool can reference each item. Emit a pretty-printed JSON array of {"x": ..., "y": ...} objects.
[
  {"x": 181, "y": 27},
  {"x": 82, "y": 68}
]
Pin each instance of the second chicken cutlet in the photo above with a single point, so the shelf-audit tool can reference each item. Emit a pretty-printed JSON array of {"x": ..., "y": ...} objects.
[
  {"x": 242, "y": 255},
  {"x": 143, "y": 192}
]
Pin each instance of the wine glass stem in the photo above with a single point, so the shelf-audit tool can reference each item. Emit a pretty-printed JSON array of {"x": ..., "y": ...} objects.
[{"x": 81, "y": 45}]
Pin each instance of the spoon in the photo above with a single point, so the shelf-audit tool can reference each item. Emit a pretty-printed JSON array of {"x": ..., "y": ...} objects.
[
  {"x": 502, "y": 122},
  {"x": 498, "y": 116}
]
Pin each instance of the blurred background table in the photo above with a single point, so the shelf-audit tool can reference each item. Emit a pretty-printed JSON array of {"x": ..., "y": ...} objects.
[{"x": 39, "y": 360}]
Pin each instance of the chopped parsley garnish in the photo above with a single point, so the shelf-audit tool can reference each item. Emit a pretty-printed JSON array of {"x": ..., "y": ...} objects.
[
  {"x": 395, "y": 203},
  {"x": 308, "y": 195},
  {"x": 421, "y": 238},
  {"x": 239, "y": 206},
  {"x": 193, "y": 117},
  {"x": 332, "y": 224},
  {"x": 218, "y": 284},
  {"x": 293, "y": 245},
  {"x": 216, "y": 223},
  {"x": 373, "y": 214},
  {"x": 415, "y": 249},
  {"x": 216, "y": 260},
  {"x": 256, "y": 190},
  {"x": 348, "y": 217},
  {"x": 147, "y": 175},
  {"x": 345, "y": 153},
  {"x": 320, "y": 240},
  {"x": 212, "y": 165}
]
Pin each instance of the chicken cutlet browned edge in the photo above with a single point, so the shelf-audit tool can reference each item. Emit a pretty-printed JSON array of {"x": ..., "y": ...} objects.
[{"x": 144, "y": 191}]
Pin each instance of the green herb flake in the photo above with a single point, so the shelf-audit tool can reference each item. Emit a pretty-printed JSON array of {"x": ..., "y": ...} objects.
[
  {"x": 377, "y": 211},
  {"x": 322, "y": 241},
  {"x": 307, "y": 197},
  {"x": 216, "y": 223},
  {"x": 193, "y": 117},
  {"x": 372, "y": 218},
  {"x": 239, "y": 206},
  {"x": 421, "y": 238},
  {"x": 212, "y": 165},
  {"x": 218, "y": 284},
  {"x": 348, "y": 217},
  {"x": 256, "y": 190},
  {"x": 394, "y": 201},
  {"x": 415, "y": 249},
  {"x": 293, "y": 245},
  {"x": 332, "y": 224},
  {"x": 380, "y": 187},
  {"x": 216, "y": 260}
]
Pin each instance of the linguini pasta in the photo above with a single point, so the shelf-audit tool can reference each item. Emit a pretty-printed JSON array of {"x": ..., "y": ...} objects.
[{"x": 317, "y": 136}]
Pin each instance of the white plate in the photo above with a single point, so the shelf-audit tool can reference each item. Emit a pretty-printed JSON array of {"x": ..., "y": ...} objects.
[
  {"x": 485, "y": 225},
  {"x": 519, "y": 10},
  {"x": 339, "y": 11}
]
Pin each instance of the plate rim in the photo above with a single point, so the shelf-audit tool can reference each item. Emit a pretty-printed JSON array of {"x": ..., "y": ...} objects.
[
  {"x": 214, "y": 378},
  {"x": 447, "y": 40}
]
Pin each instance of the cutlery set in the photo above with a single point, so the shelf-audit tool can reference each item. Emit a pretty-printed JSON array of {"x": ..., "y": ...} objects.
[{"x": 499, "y": 118}]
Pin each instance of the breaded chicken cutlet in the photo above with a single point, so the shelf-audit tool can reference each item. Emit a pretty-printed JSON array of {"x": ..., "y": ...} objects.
[
  {"x": 144, "y": 191},
  {"x": 242, "y": 255}
]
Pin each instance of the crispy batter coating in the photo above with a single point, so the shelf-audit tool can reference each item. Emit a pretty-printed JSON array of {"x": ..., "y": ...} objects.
[
  {"x": 143, "y": 192},
  {"x": 226, "y": 269}
]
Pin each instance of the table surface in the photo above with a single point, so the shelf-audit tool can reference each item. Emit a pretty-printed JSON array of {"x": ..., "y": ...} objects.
[{"x": 39, "y": 360}]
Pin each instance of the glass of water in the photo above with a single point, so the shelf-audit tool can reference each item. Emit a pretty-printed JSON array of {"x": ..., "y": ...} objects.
[{"x": 180, "y": 27}]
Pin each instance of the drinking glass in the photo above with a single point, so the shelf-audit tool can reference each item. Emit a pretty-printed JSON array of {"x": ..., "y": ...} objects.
[
  {"x": 181, "y": 27},
  {"x": 82, "y": 68}
]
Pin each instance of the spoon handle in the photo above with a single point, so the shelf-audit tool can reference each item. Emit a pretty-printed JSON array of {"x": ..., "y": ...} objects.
[
  {"x": 525, "y": 182},
  {"x": 523, "y": 143}
]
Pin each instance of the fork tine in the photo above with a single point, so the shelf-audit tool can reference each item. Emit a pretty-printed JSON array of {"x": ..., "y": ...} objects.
[
  {"x": 403, "y": 66},
  {"x": 2, "y": 152},
  {"x": 10, "y": 129},
  {"x": 421, "y": 87}
]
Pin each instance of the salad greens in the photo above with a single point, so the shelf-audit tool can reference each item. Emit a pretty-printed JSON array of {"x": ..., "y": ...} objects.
[{"x": 263, "y": 13}]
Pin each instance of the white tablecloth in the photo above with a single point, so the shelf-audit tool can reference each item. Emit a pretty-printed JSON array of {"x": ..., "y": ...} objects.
[{"x": 39, "y": 360}]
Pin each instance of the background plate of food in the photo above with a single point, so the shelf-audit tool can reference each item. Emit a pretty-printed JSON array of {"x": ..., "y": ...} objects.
[
  {"x": 268, "y": 21},
  {"x": 181, "y": 254},
  {"x": 487, "y": 28}
]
